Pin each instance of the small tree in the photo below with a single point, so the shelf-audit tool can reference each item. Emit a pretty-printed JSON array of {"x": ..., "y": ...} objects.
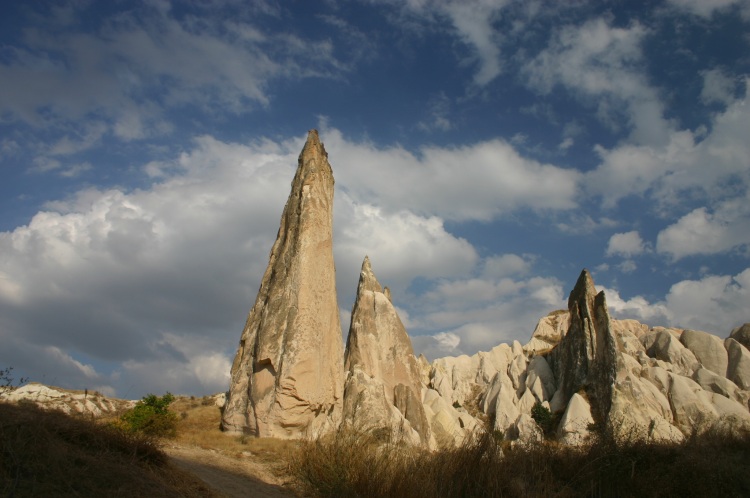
[
  {"x": 7, "y": 383},
  {"x": 543, "y": 418},
  {"x": 151, "y": 416}
]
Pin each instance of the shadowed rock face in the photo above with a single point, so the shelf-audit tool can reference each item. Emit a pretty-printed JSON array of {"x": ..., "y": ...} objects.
[
  {"x": 287, "y": 377},
  {"x": 379, "y": 347},
  {"x": 586, "y": 357}
]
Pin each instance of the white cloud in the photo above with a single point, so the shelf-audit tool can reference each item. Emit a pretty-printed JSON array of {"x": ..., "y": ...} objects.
[
  {"x": 482, "y": 312},
  {"x": 706, "y": 8},
  {"x": 479, "y": 181},
  {"x": 625, "y": 244},
  {"x": 707, "y": 232},
  {"x": 715, "y": 303},
  {"x": 144, "y": 61},
  {"x": 683, "y": 164},
  {"x": 601, "y": 64},
  {"x": 717, "y": 87},
  {"x": 504, "y": 265}
]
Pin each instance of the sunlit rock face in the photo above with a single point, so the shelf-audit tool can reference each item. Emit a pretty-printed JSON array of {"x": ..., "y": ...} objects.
[
  {"x": 287, "y": 377},
  {"x": 379, "y": 347}
]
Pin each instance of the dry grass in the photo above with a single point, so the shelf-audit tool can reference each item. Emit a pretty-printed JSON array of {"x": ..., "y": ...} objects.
[
  {"x": 356, "y": 464},
  {"x": 199, "y": 420},
  {"x": 48, "y": 453}
]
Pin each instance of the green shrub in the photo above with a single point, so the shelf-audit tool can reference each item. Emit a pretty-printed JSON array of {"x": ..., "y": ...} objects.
[
  {"x": 151, "y": 416},
  {"x": 543, "y": 418}
]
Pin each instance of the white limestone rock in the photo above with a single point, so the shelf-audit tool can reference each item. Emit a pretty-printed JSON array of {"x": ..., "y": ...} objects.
[
  {"x": 692, "y": 407},
  {"x": 548, "y": 332},
  {"x": 708, "y": 349},
  {"x": 663, "y": 345},
  {"x": 287, "y": 379},
  {"x": 575, "y": 422},
  {"x": 738, "y": 369},
  {"x": 379, "y": 346}
]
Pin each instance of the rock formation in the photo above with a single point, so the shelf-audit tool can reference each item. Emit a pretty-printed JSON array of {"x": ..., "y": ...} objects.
[
  {"x": 590, "y": 370},
  {"x": 287, "y": 377},
  {"x": 586, "y": 357},
  {"x": 379, "y": 358}
]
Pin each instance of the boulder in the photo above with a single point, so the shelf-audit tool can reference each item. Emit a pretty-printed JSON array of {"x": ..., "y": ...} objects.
[
  {"x": 692, "y": 407},
  {"x": 663, "y": 345},
  {"x": 449, "y": 427},
  {"x": 575, "y": 422},
  {"x": 738, "y": 369},
  {"x": 742, "y": 335},
  {"x": 716, "y": 383},
  {"x": 525, "y": 430},
  {"x": 505, "y": 408},
  {"x": 539, "y": 371},
  {"x": 287, "y": 378},
  {"x": 707, "y": 348}
]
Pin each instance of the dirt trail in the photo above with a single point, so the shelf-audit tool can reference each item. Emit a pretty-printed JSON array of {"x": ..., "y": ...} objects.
[{"x": 229, "y": 476}]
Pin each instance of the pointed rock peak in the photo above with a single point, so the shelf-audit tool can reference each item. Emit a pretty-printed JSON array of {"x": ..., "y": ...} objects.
[
  {"x": 313, "y": 146},
  {"x": 583, "y": 290},
  {"x": 367, "y": 279}
]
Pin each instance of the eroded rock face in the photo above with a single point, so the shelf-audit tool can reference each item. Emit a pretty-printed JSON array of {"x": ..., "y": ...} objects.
[
  {"x": 379, "y": 346},
  {"x": 287, "y": 377},
  {"x": 586, "y": 357},
  {"x": 742, "y": 335},
  {"x": 707, "y": 348}
]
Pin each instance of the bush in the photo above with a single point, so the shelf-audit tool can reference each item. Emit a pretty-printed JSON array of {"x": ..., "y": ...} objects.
[
  {"x": 151, "y": 416},
  {"x": 544, "y": 418}
]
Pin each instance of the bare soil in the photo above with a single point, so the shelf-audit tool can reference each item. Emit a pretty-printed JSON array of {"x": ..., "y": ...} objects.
[{"x": 231, "y": 477}]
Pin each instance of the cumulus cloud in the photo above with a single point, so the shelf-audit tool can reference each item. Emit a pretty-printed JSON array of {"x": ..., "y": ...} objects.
[
  {"x": 683, "y": 164},
  {"x": 601, "y": 65},
  {"x": 479, "y": 313},
  {"x": 144, "y": 61},
  {"x": 479, "y": 181},
  {"x": 625, "y": 244},
  {"x": 704, "y": 231},
  {"x": 715, "y": 303},
  {"x": 717, "y": 87}
]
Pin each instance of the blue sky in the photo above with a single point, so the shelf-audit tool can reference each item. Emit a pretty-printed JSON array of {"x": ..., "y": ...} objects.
[{"x": 484, "y": 153}]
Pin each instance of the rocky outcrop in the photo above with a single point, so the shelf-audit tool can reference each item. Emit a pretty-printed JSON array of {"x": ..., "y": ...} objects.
[
  {"x": 287, "y": 378},
  {"x": 92, "y": 404},
  {"x": 587, "y": 357},
  {"x": 708, "y": 350},
  {"x": 742, "y": 335},
  {"x": 379, "y": 351},
  {"x": 738, "y": 369},
  {"x": 549, "y": 332}
]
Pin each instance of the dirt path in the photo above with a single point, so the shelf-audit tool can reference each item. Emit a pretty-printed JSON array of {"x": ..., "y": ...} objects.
[{"x": 229, "y": 476}]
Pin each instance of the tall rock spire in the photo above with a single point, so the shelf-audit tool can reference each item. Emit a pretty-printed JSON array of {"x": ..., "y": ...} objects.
[
  {"x": 384, "y": 385},
  {"x": 287, "y": 377}
]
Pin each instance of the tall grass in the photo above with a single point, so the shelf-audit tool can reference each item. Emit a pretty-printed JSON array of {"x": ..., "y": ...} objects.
[
  {"x": 354, "y": 463},
  {"x": 49, "y": 453}
]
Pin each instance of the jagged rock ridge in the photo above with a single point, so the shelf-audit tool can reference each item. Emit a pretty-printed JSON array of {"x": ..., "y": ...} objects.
[
  {"x": 287, "y": 376},
  {"x": 590, "y": 369}
]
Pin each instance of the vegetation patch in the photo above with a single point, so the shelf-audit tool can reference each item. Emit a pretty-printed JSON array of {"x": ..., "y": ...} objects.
[
  {"x": 352, "y": 463},
  {"x": 49, "y": 453}
]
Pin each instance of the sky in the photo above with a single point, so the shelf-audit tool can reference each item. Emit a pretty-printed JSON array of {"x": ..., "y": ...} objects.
[{"x": 484, "y": 152}]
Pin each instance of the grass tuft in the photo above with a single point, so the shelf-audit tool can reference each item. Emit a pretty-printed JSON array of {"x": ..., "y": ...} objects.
[{"x": 354, "y": 463}]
